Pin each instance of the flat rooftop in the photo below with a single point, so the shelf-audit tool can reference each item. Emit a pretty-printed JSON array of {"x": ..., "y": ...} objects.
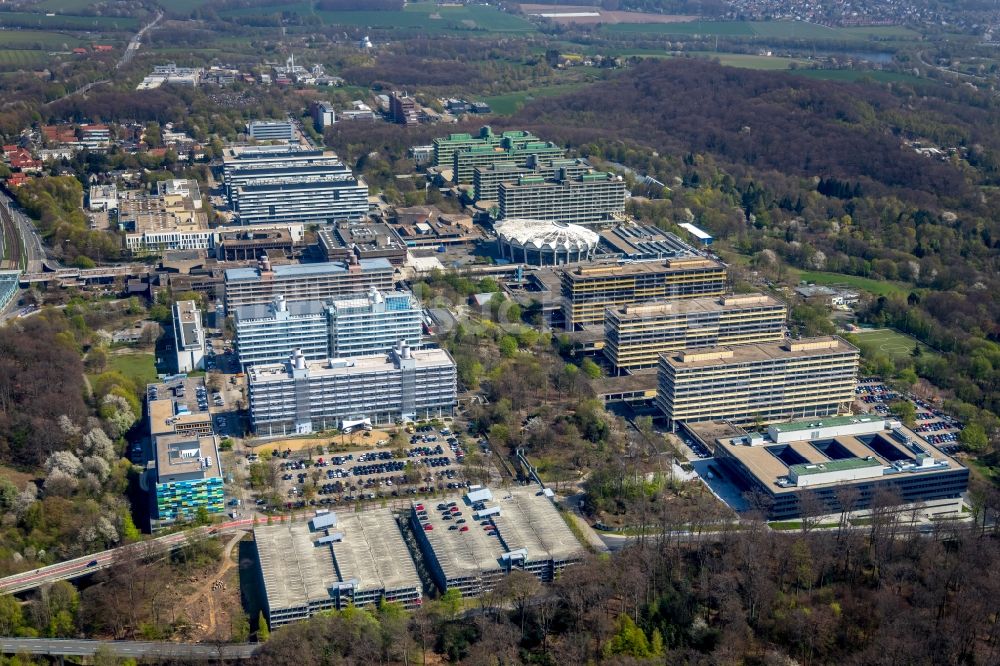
[
  {"x": 710, "y": 304},
  {"x": 263, "y": 311},
  {"x": 367, "y": 237},
  {"x": 187, "y": 317},
  {"x": 292, "y": 271},
  {"x": 163, "y": 418},
  {"x": 854, "y": 451},
  {"x": 349, "y": 366},
  {"x": 597, "y": 271},
  {"x": 297, "y": 570},
  {"x": 188, "y": 456},
  {"x": 639, "y": 381},
  {"x": 646, "y": 240},
  {"x": 527, "y": 519},
  {"x": 755, "y": 353}
]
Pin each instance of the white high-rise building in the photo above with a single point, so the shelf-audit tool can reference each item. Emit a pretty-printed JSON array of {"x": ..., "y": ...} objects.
[
  {"x": 269, "y": 333},
  {"x": 373, "y": 323}
]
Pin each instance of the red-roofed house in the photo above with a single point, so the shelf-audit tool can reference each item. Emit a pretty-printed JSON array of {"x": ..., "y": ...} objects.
[
  {"x": 103, "y": 48},
  {"x": 79, "y": 51},
  {"x": 16, "y": 180}
]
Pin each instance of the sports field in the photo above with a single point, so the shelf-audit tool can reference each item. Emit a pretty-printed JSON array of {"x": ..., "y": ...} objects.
[{"x": 893, "y": 343}]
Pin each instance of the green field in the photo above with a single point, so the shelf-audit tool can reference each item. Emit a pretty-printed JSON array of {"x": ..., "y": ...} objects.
[
  {"x": 18, "y": 58},
  {"x": 66, "y": 22},
  {"x": 37, "y": 39},
  {"x": 140, "y": 368},
  {"x": 425, "y": 17},
  {"x": 893, "y": 343},
  {"x": 772, "y": 29},
  {"x": 877, "y": 287},
  {"x": 508, "y": 104}
]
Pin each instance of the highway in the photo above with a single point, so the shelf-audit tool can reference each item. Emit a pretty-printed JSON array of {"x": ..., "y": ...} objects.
[
  {"x": 135, "y": 42},
  {"x": 179, "y": 652},
  {"x": 88, "y": 564},
  {"x": 31, "y": 242}
]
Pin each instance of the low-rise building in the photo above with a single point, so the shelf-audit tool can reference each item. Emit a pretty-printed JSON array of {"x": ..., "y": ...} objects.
[
  {"x": 302, "y": 397},
  {"x": 189, "y": 337},
  {"x": 364, "y": 241},
  {"x": 332, "y": 562},
  {"x": 170, "y": 217},
  {"x": 103, "y": 198},
  {"x": 271, "y": 130},
  {"x": 521, "y": 529},
  {"x": 758, "y": 383},
  {"x": 840, "y": 464}
]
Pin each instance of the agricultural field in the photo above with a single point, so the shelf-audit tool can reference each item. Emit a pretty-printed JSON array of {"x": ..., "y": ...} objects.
[
  {"x": 11, "y": 59},
  {"x": 63, "y": 6},
  {"x": 43, "y": 40},
  {"x": 425, "y": 16},
  {"x": 751, "y": 61},
  {"x": 67, "y": 22},
  {"x": 888, "y": 341},
  {"x": 772, "y": 29}
]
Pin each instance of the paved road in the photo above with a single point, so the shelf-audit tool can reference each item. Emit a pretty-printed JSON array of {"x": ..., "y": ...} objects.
[
  {"x": 135, "y": 649},
  {"x": 88, "y": 564},
  {"x": 133, "y": 45},
  {"x": 30, "y": 240}
]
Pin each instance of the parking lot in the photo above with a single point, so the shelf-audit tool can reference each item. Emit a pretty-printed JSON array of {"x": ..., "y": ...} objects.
[
  {"x": 432, "y": 463},
  {"x": 932, "y": 424}
]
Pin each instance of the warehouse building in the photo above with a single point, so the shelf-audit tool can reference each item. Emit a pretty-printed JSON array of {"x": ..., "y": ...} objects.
[
  {"x": 635, "y": 335},
  {"x": 542, "y": 242},
  {"x": 267, "y": 334},
  {"x": 300, "y": 396},
  {"x": 291, "y": 183},
  {"x": 839, "y": 464},
  {"x": 523, "y": 530},
  {"x": 332, "y": 562},
  {"x": 189, "y": 337},
  {"x": 588, "y": 290},
  {"x": 304, "y": 282},
  {"x": 766, "y": 383}
]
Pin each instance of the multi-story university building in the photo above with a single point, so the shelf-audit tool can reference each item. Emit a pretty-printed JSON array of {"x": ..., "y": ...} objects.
[
  {"x": 271, "y": 130},
  {"x": 372, "y": 323},
  {"x": 766, "y": 383},
  {"x": 267, "y": 334},
  {"x": 635, "y": 335},
  {"x": 188, "y": 477},
  {"x": 292, "y": 183},
  {"x": 363, "y": 324},
  {"x": 304, "y": 282},
  {"x": 189, "y": 337},
  {"x": 588, "y": 290},
  {"x": 446, "y": 147},
  {"x": 464, "y": 162},
  {"x": 485, "y": 180},
  {"x": 589, "y": 197},
  {"x": 301, "y": 396}
]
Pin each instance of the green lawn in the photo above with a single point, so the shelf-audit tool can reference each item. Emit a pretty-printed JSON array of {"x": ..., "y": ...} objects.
[
  {"x": 508, "y": 104},
  {"x": 19, "y": 58},
  {"x": 877, "y": 287},
  {"x": 139, "y": 367},
  {"x": 63, "y": 6},
  {"x": 787, "y": 525},
  {"x": 67, "y": 22},
  {"x": 721, "y": 28},
  {"x": 750, "y": 61},
  {"x": 44, "y": 40},
  {"x": 893, "y": 343}
]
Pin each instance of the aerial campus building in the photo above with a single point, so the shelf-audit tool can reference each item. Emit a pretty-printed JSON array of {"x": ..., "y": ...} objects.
[
  {"x": 636, "y": 334},
  {"x": 541, "y": 242},
  {"x": 587, "y": 198},
  {"x": 588, "y": 290},
  {"x": 188, "y": 477},
  {"x": 446, "y": 147},
  {"x": 290, "y": 183},
  {"x": 271, "y": 130},
  {"x": 767, "y": 382},
  {"x": 302, "y": 397},
  {"x": 332, "y": 562},
  {"x": 465, "y": 162},
  {"x": 486, "y": 179},
  {"x": 189, "y": 337},
  {"x": 168, "y": 218},
  {"x": 364, "y": 324},
  {"x": 304, "y": 282},
  {"x": 522, "y": 530},
  {"x": 837, "y": 464}
]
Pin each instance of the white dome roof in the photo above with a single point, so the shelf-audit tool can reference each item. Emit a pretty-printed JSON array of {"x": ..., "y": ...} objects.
[{"x": 546, "y": 235}]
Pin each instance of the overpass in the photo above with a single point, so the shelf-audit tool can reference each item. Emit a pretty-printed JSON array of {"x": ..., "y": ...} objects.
[
  {"x": 88, "y": 564},
  {"x": 139, "y": 650}
]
